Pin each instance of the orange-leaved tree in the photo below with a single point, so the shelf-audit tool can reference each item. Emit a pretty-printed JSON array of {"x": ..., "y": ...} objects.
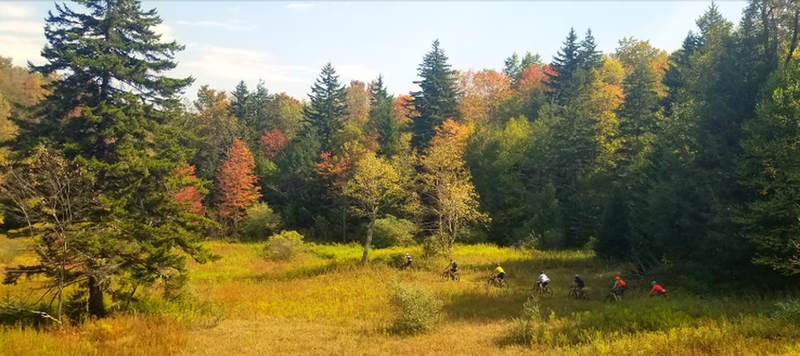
[
  {"x": 272, "y": 143},
  {"x": 190, "y": 196},
  {"x": 236, "y": 184}
]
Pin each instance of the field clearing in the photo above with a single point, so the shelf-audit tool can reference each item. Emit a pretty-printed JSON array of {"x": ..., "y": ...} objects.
[{"x": 325, "y": 303}]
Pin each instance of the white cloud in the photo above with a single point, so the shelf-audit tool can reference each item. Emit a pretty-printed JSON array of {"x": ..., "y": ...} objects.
[
  {"x": 233, "y": 25},
  {"x": 299, "y": 6},
  {"x": 15, "y": 26},
  {"x": 22, "y": 49},
  {"x": 236, "y": 64},
  {"x": 165, "y": 31},
  {"x": 11, "y": 10}
]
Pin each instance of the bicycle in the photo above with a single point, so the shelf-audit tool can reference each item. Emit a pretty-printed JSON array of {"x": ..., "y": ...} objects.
[
  {"x": 499, "y": 283},
  {"x": 613, "y": 297},
  {"x": 456, "y": 276},
  {"x": 543, "y": 289},
  {"x": 575, "y": 293}
]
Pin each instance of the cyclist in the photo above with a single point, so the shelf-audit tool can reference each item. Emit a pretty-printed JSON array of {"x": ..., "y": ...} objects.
[
  {"x": 543, "y": 279},
  {"x": 657, "y": 289},
  {"x": 501, "y": 274},
  {"x": 453, "y": 269},
  {"x": 579, "y": 283},
  {"x": 408, "y": 261},
  {"x": 619, "y": 286}
]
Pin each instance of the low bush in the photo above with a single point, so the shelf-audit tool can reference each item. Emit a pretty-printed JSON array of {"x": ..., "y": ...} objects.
[
  {"x": 523, "y": 328},
  {"x": 417, "y": 309},
  {"x": 261, "y": 222},
  {"x": 391, "y": 231},
  {"x": 284, "y": 246},
  {"x": 789, "y": 310},
  {"x": 397, "y": 260}
]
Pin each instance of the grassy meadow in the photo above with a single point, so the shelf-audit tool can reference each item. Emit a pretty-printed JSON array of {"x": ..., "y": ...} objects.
[{"x": 325, "y": 303}]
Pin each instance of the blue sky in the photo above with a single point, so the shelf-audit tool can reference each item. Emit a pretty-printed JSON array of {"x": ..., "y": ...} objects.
[{"x": 286, "y": 43}]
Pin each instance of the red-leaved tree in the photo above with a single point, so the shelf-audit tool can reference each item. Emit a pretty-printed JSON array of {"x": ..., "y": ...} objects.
[
  {"x": 272, "y": 143},
  {"x": 236, "y": 184},
  {"x": 190, "y": 196}
]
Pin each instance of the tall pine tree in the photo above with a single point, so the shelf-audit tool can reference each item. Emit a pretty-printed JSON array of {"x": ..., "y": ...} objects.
[
  {"x": 326, "y": 112},
  {"x": 437, "y": 99},
  {"x": 566, "y": 62},
  {"x": 382, "y": 118},
  {"x": 115, "y": 112}
]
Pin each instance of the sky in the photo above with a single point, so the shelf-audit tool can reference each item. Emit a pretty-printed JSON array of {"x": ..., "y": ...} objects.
[{"x": 285, "y": 44}]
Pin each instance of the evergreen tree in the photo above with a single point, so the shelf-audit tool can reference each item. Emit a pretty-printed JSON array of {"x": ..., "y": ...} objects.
[
  {"x": 437, "y": 99},
  {"x": 326, "y": 112},
  {"x": 241, "y": 104},
  {"x": 382, "y": 118},
  {"x": 115, "y": 112},
  {"x": 770, "y": 168},
  {"x": 641, "y": 101},
  {"x": 588, "y": 55},
  {"x": 565, "y": 64}
]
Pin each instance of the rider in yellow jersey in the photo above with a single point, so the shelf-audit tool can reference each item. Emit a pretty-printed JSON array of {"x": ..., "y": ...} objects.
[{"x": 500, "y": 272}]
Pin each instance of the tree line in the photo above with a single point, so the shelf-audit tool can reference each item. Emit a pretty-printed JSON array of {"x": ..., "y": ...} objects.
[{"x": 682, "y": 162}]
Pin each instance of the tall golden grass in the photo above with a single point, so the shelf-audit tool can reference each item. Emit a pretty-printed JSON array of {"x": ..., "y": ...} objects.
[{"x": 326, "y": 303}]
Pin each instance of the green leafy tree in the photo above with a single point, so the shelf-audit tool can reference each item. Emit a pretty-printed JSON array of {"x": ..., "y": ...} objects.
[
  {"x": 115, "y": 112},
  {"x": 437, "y": 99},
  {"x": 375, "y": 186}
]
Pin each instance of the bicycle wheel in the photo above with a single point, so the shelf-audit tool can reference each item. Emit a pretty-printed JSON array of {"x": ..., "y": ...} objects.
[
  {"x": 445, "y": 276},
  {"x": 457, "y": 277},
  {"x": 547, "y": 292},
  {"x": 573, "y": 293},
  {"x": 583, "y": 296},
  {"x": 504, "y": 284},
  {"x": 611, "y": 298}
]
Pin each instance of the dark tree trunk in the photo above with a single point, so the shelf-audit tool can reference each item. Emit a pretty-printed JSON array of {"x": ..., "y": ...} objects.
[
  {"x": 793, "y": 46},
  {"x": 96, "y": 306}
]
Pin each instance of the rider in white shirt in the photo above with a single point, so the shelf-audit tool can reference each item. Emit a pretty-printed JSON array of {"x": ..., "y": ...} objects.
[{"x": 543, "y": 280}]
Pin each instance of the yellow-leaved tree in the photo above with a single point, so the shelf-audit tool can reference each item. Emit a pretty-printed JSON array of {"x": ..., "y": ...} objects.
[
  {"x": 375, "y": 186},
  {"x": 447, "y": 183}
]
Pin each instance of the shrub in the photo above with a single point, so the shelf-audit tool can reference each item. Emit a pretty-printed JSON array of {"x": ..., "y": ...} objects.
[
  {"x": 789, "y": 310},
  {"x": 391, "y": 231},
  {"x": 261, "y": 222},
  {"x": 417, "y": 309},
  {"x": 284, "y": 246},
  {"x": 434, "y": 245},
  {"x": 397, "y": 260},
  {"x": 524, "y": 328}
]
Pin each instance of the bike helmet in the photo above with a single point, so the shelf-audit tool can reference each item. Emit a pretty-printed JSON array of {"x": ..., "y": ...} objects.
[
  {"x": 576, "y": 276},
  {"x": 541, "y": 272},
  {"x": 617, "y": 278},
  {"x": 653, "y": 282},
  {"x": 497, "y": 264}
]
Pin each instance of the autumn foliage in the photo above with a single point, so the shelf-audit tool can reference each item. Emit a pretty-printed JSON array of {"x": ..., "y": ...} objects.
[
  {"x": 236, "y": 183},
  {"x": 190, "y": 196},
  {"x": 272, "y": 143}
]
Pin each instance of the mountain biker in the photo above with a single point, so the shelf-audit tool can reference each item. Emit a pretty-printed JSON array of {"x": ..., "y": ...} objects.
[
  {"x": 453, "y": 269},
  {"x": 408, "y": 261},
  {"x": 543, "y": 279},
  {"x": 619, "y": 286},
  {"x": 657, "y": 289},
  {"x": 501, "y": 274},
  {"x": 579, "y": 283}
]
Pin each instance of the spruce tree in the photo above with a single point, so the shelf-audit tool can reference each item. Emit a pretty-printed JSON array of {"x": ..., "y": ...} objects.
[
  {"x": 588, "y": 55},
  {"x": 565, "y": 64},
  {"x": 437, "y": 99},
  {"x": 115, "y": 112},
  {"x": 325, "y": 114},
  {"x": 382, "y": 118}
]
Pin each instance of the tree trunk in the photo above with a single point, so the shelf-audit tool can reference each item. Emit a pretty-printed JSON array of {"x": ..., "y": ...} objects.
[
  {"x": 368, "y": 241},
  {"x": 96, "y": 306},
  {"x": 793, "y": 46}
]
